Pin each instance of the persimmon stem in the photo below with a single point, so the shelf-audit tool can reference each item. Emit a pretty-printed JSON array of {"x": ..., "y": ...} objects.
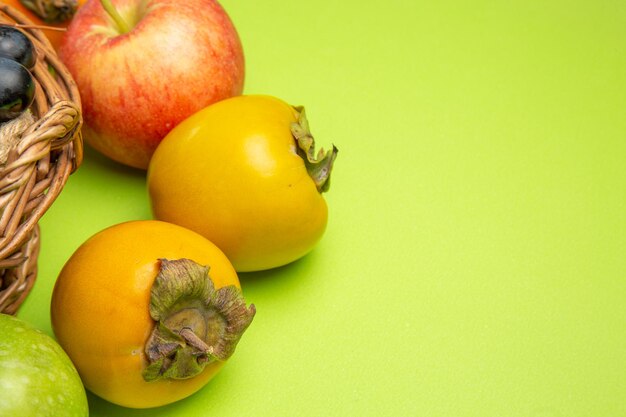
[
  {"x": 320, "y": 165},
  {"x": 192, "y": 339},
  {"x": 194, "y": 323},
  {"x": 52, "y": 11}
]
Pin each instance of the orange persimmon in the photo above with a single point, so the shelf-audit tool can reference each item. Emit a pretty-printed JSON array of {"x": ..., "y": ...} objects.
[{"x": 148, "y": 312}]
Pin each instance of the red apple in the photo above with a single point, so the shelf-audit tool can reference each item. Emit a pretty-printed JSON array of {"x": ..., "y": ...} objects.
[{"x": 142, "y": 66}]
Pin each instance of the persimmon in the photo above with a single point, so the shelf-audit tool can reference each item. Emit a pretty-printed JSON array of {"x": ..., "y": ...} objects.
[
  {"x": 244, "y": 173},
  {"x": 148, "y": 312}
]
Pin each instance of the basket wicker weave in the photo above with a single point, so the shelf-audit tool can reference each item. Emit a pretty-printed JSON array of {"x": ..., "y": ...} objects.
[{"x": 38, "y": 167}]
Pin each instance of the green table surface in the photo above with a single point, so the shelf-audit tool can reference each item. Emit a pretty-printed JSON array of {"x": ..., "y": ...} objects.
[{"x": 474, "y": 261}]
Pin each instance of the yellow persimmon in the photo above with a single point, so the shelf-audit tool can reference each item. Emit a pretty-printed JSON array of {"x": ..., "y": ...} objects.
[{"x": 243, "y": 173}]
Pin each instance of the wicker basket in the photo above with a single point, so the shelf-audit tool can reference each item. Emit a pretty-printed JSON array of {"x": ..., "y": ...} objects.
[{"x": 38, "y": 167}]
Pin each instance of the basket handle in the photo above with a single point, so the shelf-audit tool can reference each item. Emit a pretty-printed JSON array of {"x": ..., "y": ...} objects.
[{"x": 54, "y": 129}]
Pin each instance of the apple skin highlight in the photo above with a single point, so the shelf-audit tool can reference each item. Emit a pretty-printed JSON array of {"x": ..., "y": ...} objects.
[{"x": 177, "y": 58}]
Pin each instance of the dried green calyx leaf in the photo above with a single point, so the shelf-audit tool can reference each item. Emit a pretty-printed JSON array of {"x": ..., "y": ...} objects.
[
  {"x": 318, "y": 166},
  {"x": 52, "y": 11},
  {"x": 195, "y": 323}
]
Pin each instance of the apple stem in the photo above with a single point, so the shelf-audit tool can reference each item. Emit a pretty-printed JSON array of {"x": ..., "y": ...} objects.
[{"x": 122, "y": 26}]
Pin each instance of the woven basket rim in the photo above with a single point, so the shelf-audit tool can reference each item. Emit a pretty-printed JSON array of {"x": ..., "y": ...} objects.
[{"x": 37, "y": 168}]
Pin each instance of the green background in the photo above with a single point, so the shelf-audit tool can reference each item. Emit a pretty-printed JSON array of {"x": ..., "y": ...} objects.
[{"x": 474, "y": 261}]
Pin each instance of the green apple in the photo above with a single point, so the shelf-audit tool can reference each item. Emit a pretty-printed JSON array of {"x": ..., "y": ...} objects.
[{"x": 36, "y": 376}]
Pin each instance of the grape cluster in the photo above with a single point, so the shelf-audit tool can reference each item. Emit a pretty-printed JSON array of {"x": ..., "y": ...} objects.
[{"x": 17, "y": 85}]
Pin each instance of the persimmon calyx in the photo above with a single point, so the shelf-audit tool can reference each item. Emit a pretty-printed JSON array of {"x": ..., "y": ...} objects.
[
  {"x": 52, "y": 11},
  {"x": 318, "y": 166},
  {"x": 195, "y": 323}
]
